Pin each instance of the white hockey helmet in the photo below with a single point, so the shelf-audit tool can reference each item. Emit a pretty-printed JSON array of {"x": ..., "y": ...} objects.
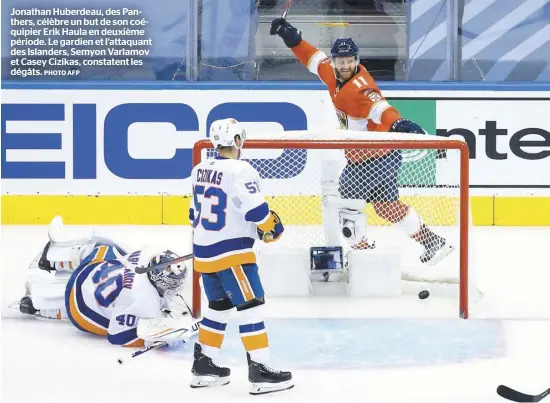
[{"x": 223, "y": 132}]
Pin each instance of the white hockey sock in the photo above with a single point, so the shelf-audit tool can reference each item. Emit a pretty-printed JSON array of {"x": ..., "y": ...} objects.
[
  {"x": 253, "y": 333},
  {"x": 411, "y": 223},
  {"x": 212, "y": 331}
]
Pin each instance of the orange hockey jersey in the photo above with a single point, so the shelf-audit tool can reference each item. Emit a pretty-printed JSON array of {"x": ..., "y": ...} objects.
[{"x": 358, "y": 102}]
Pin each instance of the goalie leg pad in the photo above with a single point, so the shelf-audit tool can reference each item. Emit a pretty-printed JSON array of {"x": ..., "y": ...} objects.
[
  {"x": 68, "y": 246},
  {"x": 46, "y": 291}
]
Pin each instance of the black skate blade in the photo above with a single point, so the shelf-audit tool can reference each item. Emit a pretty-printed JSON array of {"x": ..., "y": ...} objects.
[
  {"x": 208, "y": 386},
  {"x": 199, "y": 383},
  {"x": 271, "y": 391}
]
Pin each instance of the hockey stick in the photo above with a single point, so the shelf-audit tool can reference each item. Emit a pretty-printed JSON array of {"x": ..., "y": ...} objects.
[
  {"x": 515, "y": 396},
  {"x": 142, "y": 270},
  {"x": 135, "y": 354},
  {"x": 287, "y": 7},
  {"x": 158, "y": 344}
]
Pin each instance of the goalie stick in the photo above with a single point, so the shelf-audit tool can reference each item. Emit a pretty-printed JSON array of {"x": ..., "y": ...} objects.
[
  {"x": 515, "y": 396},
  {"x": 157, "y": 344},
  {"x": 142, "y": 270},
  {"x": 143, "y": 350}
]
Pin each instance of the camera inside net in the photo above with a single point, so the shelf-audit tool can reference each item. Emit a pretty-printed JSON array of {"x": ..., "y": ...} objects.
[
  {"x": 327, "y": 263},
  {"x": 348, "y": 228}
]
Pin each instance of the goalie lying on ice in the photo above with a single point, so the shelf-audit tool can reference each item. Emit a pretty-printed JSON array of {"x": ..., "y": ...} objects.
[{"x": 92, "y": 282}]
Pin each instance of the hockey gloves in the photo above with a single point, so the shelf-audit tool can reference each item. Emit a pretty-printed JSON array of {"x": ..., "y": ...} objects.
[
  {"x": 406, "y": 126},
  {"x": 272, "y": 229},
  {"x": 291, "y": 36}
]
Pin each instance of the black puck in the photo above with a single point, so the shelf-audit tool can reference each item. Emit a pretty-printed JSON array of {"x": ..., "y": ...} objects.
[{"x": 423, "y": 294}]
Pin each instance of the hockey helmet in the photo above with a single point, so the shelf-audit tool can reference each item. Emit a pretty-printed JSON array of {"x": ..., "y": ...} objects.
[
  {"x": 344, "y": 47},
  {"x": 223, "y": 132}
]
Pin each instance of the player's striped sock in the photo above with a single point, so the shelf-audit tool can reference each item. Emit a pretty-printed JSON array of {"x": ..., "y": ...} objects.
[
  {"x": 212, "y": 332},
  {"x": 254, "y": 338}
]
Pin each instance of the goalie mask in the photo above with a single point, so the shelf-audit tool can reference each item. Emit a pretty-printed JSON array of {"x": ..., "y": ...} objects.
[{"x": 167, "y": 278}]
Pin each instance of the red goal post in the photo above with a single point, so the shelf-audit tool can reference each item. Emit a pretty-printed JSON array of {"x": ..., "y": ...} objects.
[{"x": 380, "y": 141}]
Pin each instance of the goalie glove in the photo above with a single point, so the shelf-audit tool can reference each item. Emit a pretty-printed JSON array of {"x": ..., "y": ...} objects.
[
  {"x": 271, "y": 229},
  {"x": 167, "y": 329}
]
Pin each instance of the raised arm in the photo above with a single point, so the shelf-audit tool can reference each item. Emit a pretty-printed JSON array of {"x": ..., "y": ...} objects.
[{"x": 306, "y": 53}]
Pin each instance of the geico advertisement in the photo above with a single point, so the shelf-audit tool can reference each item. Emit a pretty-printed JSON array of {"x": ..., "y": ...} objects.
[
  {"x": 140, "y": 141},
  {"x": 509, "y": 140},
  {"x": 132, "y": 142}
]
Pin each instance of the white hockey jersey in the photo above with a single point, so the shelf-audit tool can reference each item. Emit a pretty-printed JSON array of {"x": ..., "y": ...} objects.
[
  {"x": 106, "y": 297},
  {"x": 227, "y": 207}
]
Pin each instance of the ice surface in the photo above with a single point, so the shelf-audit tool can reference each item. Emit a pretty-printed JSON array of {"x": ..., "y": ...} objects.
[
  {"x": 361, "y": 343},
  {"x": 372, "y": 350}
]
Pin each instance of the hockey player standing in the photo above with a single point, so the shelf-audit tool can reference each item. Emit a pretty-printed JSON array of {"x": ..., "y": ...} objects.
[
  {"x": 228, "y": 213},
  {"x": 370, "y": 175}
]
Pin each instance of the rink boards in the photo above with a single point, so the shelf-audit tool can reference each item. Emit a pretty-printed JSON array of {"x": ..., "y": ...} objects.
[
  {"x": 120, "y": 153},
  {"x": 165, "y": 209}
]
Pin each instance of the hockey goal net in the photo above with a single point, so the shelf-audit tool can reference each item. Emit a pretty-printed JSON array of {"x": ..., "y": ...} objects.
[{"x": 428, "y": 174}]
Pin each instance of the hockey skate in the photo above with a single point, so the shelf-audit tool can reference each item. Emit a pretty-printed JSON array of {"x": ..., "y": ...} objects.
[
  {"x": 206, "y": 373},
  {"x": 26, "y": 306},
  {"x": 267, "y": 380},
  {"x": 435, "y": 250}
]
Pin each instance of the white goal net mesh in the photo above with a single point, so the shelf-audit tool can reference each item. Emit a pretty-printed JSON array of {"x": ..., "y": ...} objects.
[{"x": 294, "y": 180}]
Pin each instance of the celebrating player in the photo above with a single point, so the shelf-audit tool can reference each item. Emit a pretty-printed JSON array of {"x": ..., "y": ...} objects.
[
  {"x": 228, "y": 213},
  {"x": 370, "y": 175},
  {"x": 92, "y": 282}
]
